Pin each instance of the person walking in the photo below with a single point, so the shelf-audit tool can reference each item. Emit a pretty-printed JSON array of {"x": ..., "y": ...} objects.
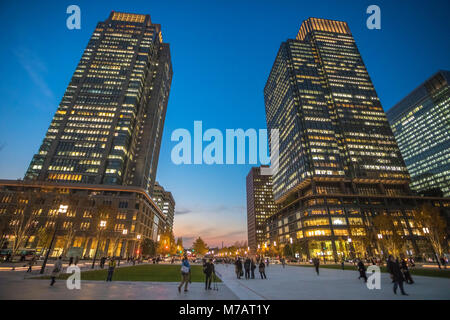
[
  {"x": 283, "y": 262},
  {"x": 343, "y": 264},
  {"x": 208, "y": 270},
  {"x": 70, "y": 261},
  {"x": 252, "y": 268},
  {"x": 362, "y": 270},
  {"x": 238, "y": 267},
  {"x": 31, "y": 264},
  {"x": 111, "y": 267},
  {"x": 247, "y": 264},
  {"x": 396, "y": 274},
  {"x": 262, "y": 270},
  {"x": 57, "y": 268},
  {"x": 316, "y": 263},
  {"x": 76, "y": 260},
  {"x": 406, "y": 273},
  {"x": 185, "y": 274}
]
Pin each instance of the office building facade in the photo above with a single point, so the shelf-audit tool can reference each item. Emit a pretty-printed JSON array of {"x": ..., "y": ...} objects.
[
  {"x": 109, "y": 124},
  {"x": 260, "y": 206},
  {"x": 339, "y": 163},
  {"x": 165, "y": 201},
  {"x": 99, "y": 157},
  {"x": 421, "y": 125}
]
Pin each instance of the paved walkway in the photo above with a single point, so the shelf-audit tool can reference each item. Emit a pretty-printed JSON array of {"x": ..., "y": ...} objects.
[
  {"x": 14, "y": 286},
  {"x": 302, "y": 283},
  {"x": 290, "y": 283}
]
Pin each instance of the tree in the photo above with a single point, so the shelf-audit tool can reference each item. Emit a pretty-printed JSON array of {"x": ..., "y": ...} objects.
[
  {"x": 167, "y": 243},
  {"x": 179, "y": 245},
  {"x": 287, "y": 251},
  {"x": 148, "y": 247},
  {"x": 44, "y": 236},
  {"x": 199, "y": 246},
  {"x": 390, "y": 230},
  {"x": 433, "y": 226}
]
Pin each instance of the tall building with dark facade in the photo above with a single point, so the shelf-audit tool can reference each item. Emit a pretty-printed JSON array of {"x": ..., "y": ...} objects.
[
  {"x": 98, "y": 160},
  {"x": 421, "y": 125},
  {"x": 109, "y": 124},
  {"x": 166, "y": 203},
  {"x": 339, "y": 163},
  {"x": 260, "y": 206}
]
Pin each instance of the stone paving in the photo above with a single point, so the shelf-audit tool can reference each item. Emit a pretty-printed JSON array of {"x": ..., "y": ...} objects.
[
  {"x": 292, "y": 282},
  {"x": 302, "y": 283}
]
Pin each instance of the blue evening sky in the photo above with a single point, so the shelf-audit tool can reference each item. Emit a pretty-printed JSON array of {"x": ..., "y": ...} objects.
[{"x": 222, "y": 52}]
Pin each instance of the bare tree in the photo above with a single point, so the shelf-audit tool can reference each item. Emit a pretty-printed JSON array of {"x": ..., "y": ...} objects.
[
  {"x": 390, "y": 231},
  {"x": 433, "y": 226}
]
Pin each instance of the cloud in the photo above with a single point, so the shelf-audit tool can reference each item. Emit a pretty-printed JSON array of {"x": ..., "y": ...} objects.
[{"x": 182, "y": 211}]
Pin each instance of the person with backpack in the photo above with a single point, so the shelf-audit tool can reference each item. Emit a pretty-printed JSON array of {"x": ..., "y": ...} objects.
[
  {"x": 208, "y": 270},
  {"x": 185, "y": 274},
  {"x": 262, "y": 270}
]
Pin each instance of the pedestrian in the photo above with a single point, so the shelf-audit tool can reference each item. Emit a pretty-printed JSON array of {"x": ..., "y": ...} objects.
[
  {"x": 262, "y": 270},
  {"x": 185, "y": 272},
  {"x": 57, "y": 268},
  {"x": 316, "y": 263},
  {"x": 247, "y": 264},
  {"x": 238, "y": 267},
  {"x": 396, "y": 274},
  {"x": 31, "y": 263},
  {"x": 252, "y": 268},
  {"x": 343, "y": 264},
  {"x": 283, "y": 262},
  {"x": 208, "y": 270},
  {"x": 70, "y": 261},
  {"x": 362, "y": 270},
  {"x": 444, "y": 262},
  {"x": 406, "y": 273},
  {"x": 267, "y": 262},
  {"x": 111, "y": 267},
  {"x": 102, "y": 262},
  {"x": 76, "y": 260}
]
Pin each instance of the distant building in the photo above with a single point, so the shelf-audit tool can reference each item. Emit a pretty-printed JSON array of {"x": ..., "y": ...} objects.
[
  {"x": 260, "y": 206},
  {"x": 421, "y": 125},
  {"x": 166, "y": 203}
]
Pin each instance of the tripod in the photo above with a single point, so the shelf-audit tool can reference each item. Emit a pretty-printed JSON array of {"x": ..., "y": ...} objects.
[{"x": 215, "y": 286}]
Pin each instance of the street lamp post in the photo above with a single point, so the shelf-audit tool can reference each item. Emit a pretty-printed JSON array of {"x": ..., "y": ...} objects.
[
  {"x": 62, "y": 210},
  {"x": 101, "y": 226}
]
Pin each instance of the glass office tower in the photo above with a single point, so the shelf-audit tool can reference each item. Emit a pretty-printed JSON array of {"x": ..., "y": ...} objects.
[
  {"x": 421, "y": 125},
  {"x": 260, "y": 206},
  {"x": 109, "y": 124},
  {"x": 332, "y": 126},
  {"x": 339, "y": 163}
]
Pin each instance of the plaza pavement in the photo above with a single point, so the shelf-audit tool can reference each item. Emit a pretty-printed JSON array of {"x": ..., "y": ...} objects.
[
  {"x": 290, "y": 283},
  {"x": 13, "y": 286},
  {"x": 302, "y": 283}
]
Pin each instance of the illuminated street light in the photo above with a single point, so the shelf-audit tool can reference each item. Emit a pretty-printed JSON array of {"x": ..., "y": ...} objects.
[
  {"x": 102, "y": 224},
  {"x": 380, "y": 236},
  {"x": 125, "y": 231},
  {"x": 349, "y": 240}
]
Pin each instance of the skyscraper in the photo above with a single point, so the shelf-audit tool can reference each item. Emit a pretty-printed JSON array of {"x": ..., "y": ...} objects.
[
  {"x": 421, "y": 125},
  {"x": 166, "y": 203},
  {"x": 96, "y": 167},
  {"x": 108, "y": 126},
  {"x": 260, "y": 206},
  {"x": 339, "y": 163},
  {"x": 332, "y": 126}
]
